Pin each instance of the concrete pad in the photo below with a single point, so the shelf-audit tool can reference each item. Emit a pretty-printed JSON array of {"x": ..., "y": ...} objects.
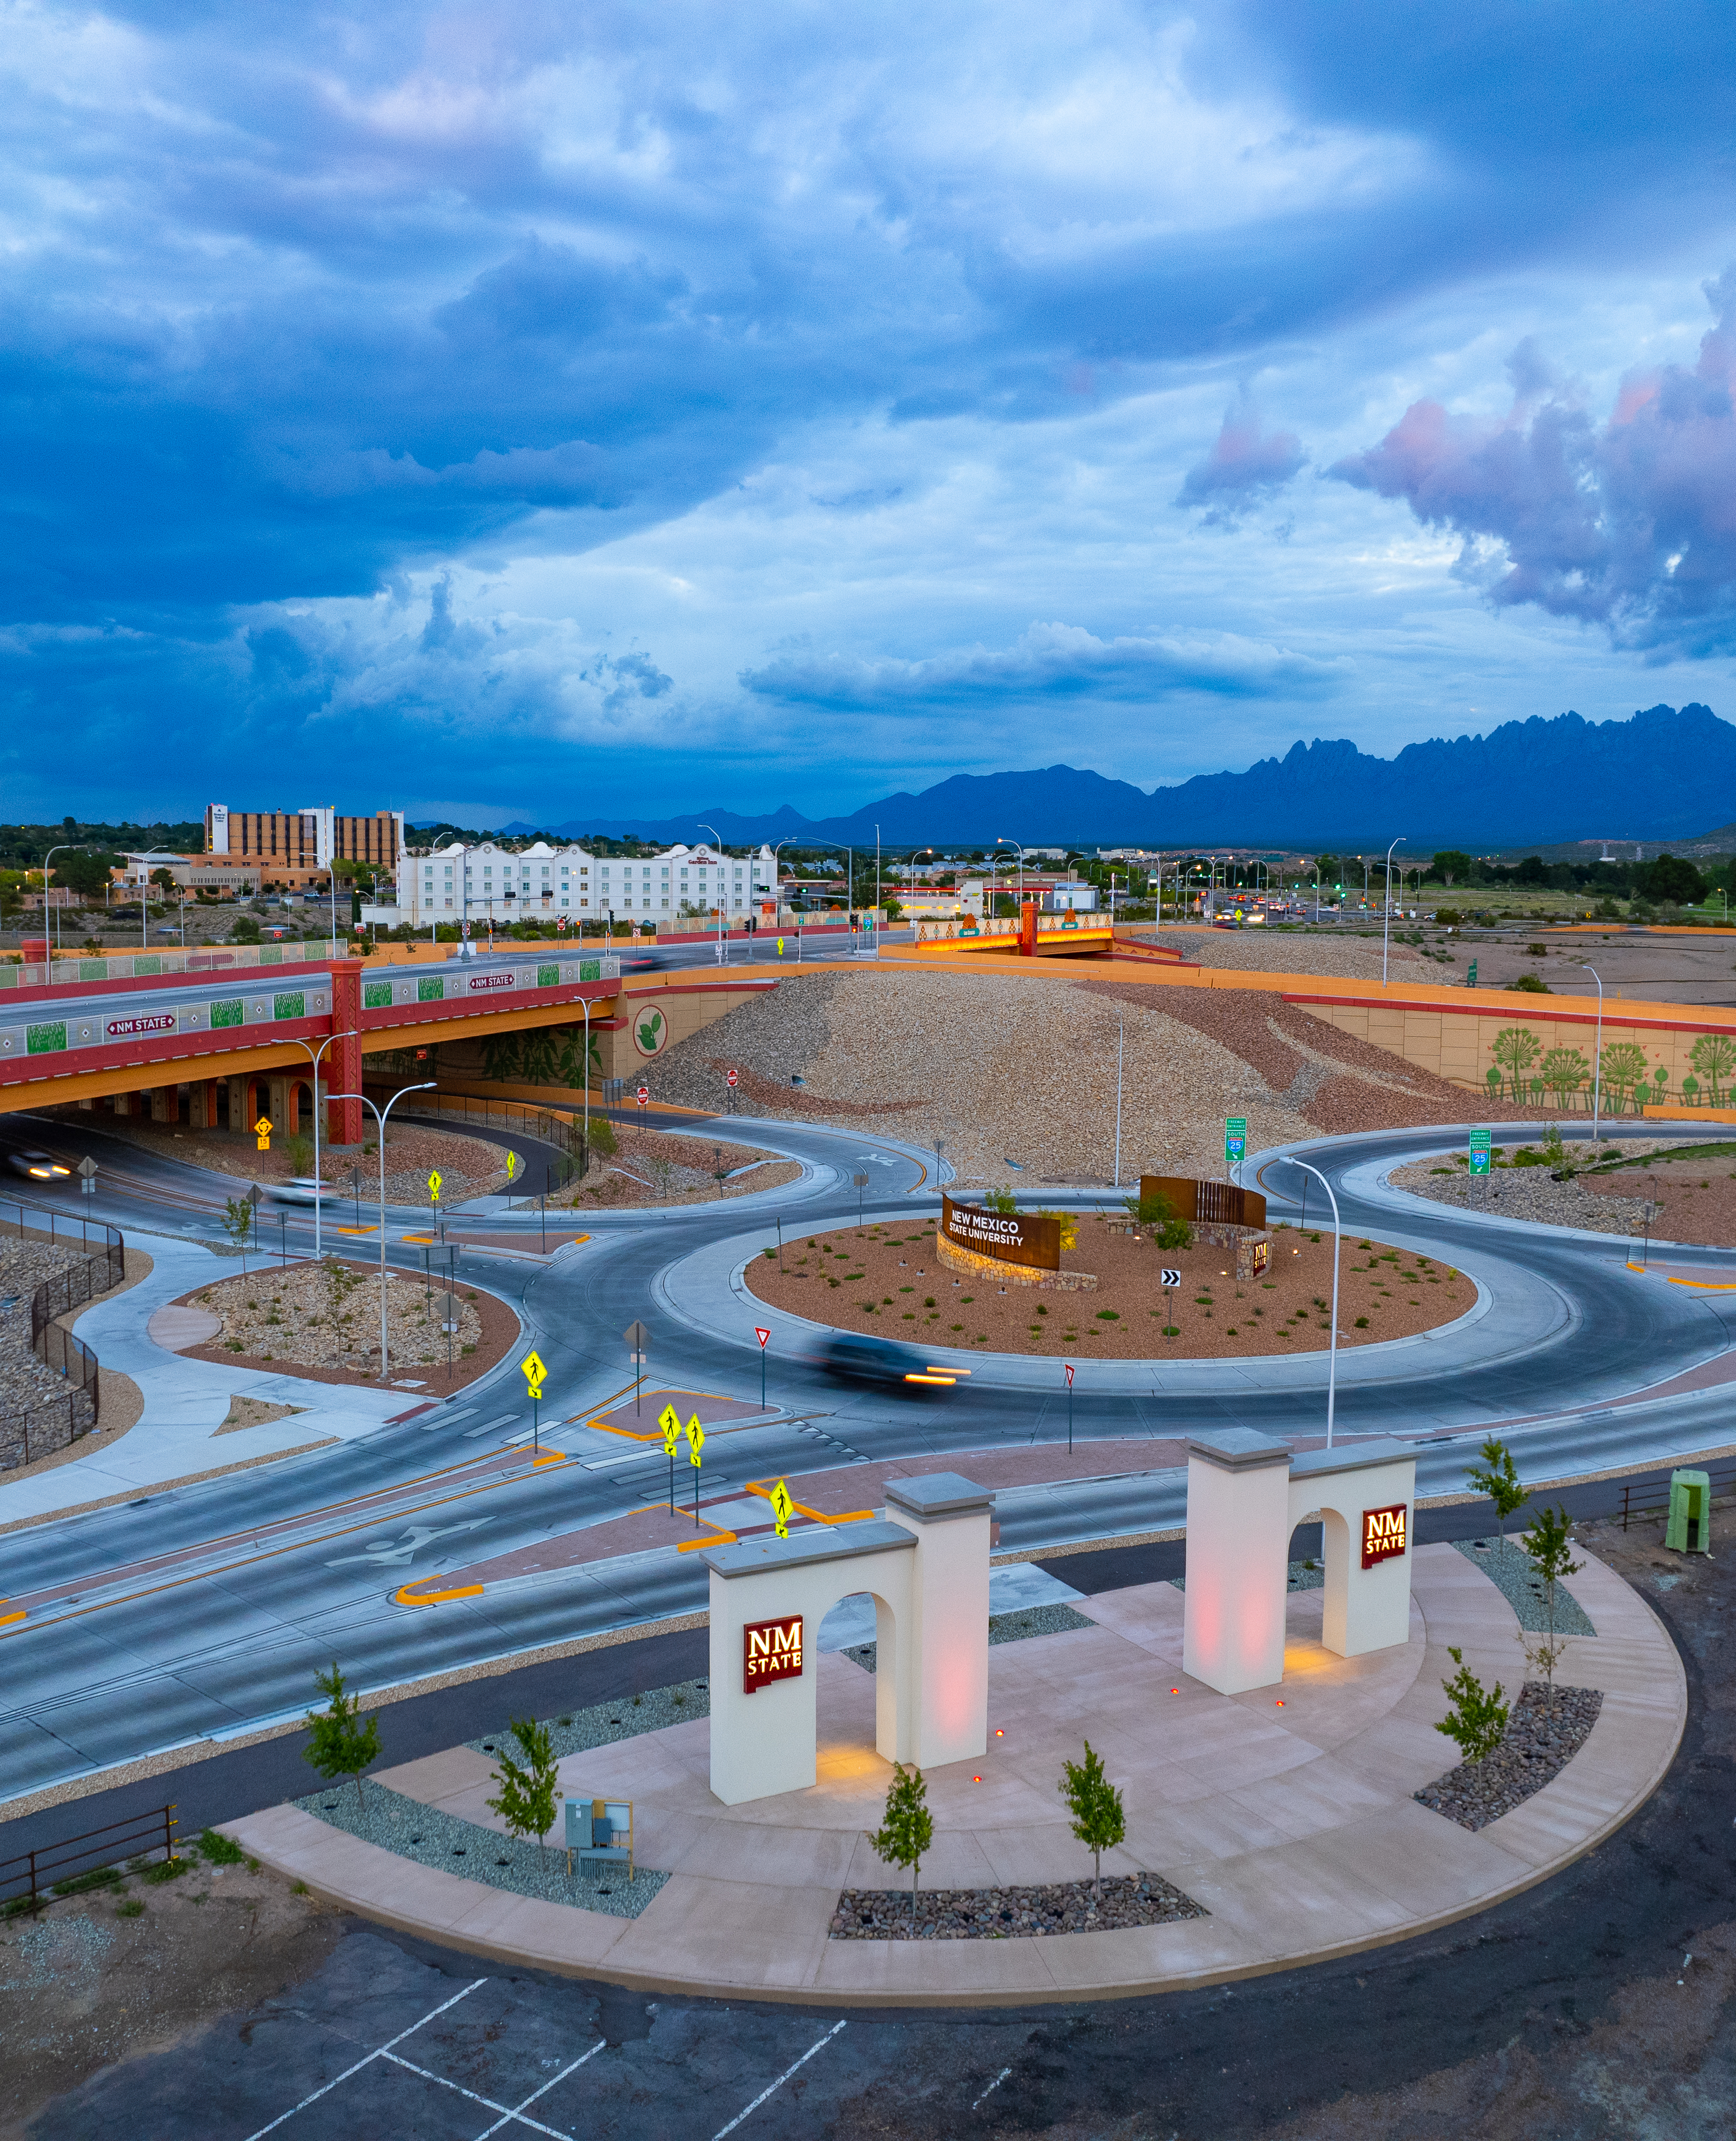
[{"x": 1288, "y": 1814}]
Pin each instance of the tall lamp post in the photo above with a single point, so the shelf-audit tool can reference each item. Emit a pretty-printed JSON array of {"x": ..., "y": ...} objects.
[
  {"x": 60, "y": 848},
  {"x": 1332, "y": 1353},
  {"x": 315, "y": 1053},
  {"x": 379, "y": 1117},
  {"x": 718, "y": 837},
  {"x": 1002, "y": 841},
  {"x": 876, "y": 888},
  {"x": 1597, "y": 1057},
  {"x": 1386, "y": 923}
]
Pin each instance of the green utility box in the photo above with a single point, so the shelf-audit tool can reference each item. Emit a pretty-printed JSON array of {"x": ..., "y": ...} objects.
[{"x": 1689, "y": 1529}]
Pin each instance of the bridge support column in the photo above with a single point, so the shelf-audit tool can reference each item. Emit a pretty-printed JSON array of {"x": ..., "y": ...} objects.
[{"x": 343, "y": 1118}]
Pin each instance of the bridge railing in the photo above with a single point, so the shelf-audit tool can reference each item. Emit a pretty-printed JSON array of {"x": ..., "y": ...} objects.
[
  {"x": 32, "y": 1431},
  {"x": 208, "y": 959}
]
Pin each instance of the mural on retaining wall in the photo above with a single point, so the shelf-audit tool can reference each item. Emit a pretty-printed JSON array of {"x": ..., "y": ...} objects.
[
  {"x": 1523, "y": 1070},
  {"x": 550, "y": 1055}
]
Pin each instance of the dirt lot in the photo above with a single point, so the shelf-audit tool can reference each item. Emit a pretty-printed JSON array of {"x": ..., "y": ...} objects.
[
  {"x": 892, "y": 1285},
  {"x": 82, "y": 1987},
  {"x": 652, "y": 1168},
  {"x": 323, "y": 1321}
]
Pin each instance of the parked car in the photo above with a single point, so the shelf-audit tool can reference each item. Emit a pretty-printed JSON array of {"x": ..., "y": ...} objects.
[
  {"x": 300, "y": 1189},
  {"x": 39, "y": 1166},
  {"x": 862, "y": 1360}
]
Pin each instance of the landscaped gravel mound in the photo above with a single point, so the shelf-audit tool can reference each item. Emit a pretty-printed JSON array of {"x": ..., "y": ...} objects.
[
  {"x": 1539, "y": 1745},
  {"x": 1061, "y": 1907},
  {"x": 1513, "y": 1573}
]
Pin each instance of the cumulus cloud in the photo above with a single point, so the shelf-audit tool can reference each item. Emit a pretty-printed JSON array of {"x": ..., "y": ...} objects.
[
  {"x": 1243, "y": 466},
  {"x": 1047, "y": 662},
  {"x": 1630, "y": 524}
]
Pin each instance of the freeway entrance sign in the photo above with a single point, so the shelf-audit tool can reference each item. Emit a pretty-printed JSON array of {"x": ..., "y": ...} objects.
[
  {"x": 1235, "y": 1140},
  {"x": 1480, "y": 1160}
]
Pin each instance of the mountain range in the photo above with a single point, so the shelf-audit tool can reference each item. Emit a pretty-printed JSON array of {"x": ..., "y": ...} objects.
[{"x": 1664, "y": 774}]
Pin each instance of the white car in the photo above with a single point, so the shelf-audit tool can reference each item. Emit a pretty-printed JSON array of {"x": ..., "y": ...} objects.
[
  {"x": 300, "y": 1189},
  {"x": 38, "y": 1166}
]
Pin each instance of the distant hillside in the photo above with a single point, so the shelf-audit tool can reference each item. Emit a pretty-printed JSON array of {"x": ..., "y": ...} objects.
[{"x": 1660, "y": 776}]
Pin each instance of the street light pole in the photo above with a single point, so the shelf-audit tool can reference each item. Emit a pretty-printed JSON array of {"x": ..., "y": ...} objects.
[
  {"x": 330, "y": 1041},
  {"x": 1597, "y": 1058},
  {"x": 1120, "y": 1051},
  {"x": 379, "y": 1117},
  {"x": 876, "y": 888},
  {"x": 1386, "y": 922},
  {"x": 716, "y": 836},
  {"x": 60, "y": 848},
  {"x": 1332, "y": 1353}
]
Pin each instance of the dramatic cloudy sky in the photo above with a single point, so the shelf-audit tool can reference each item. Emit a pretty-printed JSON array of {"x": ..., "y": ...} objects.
[{"x": 526, "y": 409}]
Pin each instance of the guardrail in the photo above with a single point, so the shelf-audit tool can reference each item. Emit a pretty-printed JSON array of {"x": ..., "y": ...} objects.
[
  {"x": 33, "y": 1431},
  {"x": 555, "y": 1126},
  {"x": 36, "y": 1876},
  {"x": 208, "y": 959}
]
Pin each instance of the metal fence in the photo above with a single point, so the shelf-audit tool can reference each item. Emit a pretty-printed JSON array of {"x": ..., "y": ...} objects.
[
  {"x": 554, "y": 1126},
  {"x": 67, "y": 1865},
  {"x": 37, "y": 1430},
  {"x": 1650, "y": 1498},
  {"x": 208, "y": 959}
]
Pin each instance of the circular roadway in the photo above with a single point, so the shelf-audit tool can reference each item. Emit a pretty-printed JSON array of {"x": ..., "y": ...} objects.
[{"x": 1583, "y": 1363}]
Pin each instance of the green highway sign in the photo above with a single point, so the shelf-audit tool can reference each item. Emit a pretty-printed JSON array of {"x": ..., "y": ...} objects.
[
  {"x": 1471, "y": 977},
  {"x": 1479, "y": 1152},
  {"x": 1235, "y": 1138}
]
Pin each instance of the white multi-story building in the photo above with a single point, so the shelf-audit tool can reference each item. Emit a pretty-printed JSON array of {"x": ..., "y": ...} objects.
[{"x": 488, "y": 882}]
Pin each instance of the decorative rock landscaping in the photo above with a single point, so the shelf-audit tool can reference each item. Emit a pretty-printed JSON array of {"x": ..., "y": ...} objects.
[
  {"x": 1061, "y": 1907},
  {"x": 1513, "y": 1573},
  {"x": 1538, "y": 1745}
]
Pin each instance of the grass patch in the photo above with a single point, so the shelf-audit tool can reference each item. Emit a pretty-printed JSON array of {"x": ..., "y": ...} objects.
[{"x": 219, "y": 1850}]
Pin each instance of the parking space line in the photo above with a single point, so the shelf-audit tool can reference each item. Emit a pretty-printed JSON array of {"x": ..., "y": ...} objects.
[
  {"x": 545, "y": 2088},
  {"x": 819, "y": 2047},
  {"x": 458, "y": 2088},
  {"x": 382, "y": 2051}
]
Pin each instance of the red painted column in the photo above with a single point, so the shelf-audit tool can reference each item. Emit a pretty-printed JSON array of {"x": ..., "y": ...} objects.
[
  {"x": 344, "y": 1118},
  {"x": 1028, "y": 929}
]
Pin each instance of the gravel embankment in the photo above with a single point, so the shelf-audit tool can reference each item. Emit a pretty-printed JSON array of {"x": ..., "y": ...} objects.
[
  {"x": 653, "y": 1168},
  {"x": 1060, "y": 1907},
  {"x": 1693, "y": 1190},
  {"x": 1278, "y": 952},
  {"x": 24, "y": 1380},
  {"x": 1531, "y": 1193},
  {"x": 1537, "y": 1747},
  {"x": 1512, "y": 1572}
]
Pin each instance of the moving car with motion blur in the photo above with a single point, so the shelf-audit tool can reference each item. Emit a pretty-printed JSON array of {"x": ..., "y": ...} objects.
[
  {"x": 858, "y": 1359},
  {"x": 38, "y": 1166},
  {"x": 303, "y": 1189}
]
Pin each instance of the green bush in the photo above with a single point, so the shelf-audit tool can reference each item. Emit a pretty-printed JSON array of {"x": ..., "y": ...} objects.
[{"x": 218, "y": 1849}]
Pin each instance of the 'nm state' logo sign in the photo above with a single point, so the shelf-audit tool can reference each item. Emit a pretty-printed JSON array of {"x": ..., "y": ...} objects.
[{"x": 651, "y": 1033}]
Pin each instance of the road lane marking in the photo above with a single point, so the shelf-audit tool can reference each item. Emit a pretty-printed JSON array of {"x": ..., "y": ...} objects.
[
  {"x": 778, "y": 2085},
  {"x": 545, "y": 2088},
  {"x": 379, "y": 2052}
]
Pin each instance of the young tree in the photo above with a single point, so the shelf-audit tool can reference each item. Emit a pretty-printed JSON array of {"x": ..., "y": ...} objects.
[
  {"x": 907, "y": 1827},
  {"x": 1099, "y": 1821},
  {"x": 237, "y": 1223},
  {"x": 1548, "y": 1544},
  {"x": 341, "y": 1745},
  {"x": 1496, "y": 1478},
  {"x": 528, "y": 1789},
  {"x": 1477, "y": 1720}
]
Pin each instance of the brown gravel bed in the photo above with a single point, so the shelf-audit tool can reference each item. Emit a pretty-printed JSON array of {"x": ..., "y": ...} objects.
[
  {"x": 1696, "y": 1194},
  {"x": 672, "y": 1169},
  {"x": 1345, "y": 955},
  {"x": 883, "y": 1281},
  {"x": 327, "y": 1340},
  {"x": 1059, "y": 1906},
  {"x": 1538, "y": 1746}
]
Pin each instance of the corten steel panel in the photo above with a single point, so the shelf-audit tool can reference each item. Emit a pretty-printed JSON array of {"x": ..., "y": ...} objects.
[{"x": 1206, "y": 1203}]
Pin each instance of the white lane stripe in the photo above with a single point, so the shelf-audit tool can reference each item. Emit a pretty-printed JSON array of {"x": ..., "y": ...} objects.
[
  {"x": 504, "y": 1420},
  {"x": 546, "y": 2087},
  {"x": 458, "y": 2089},
  {"x": 778, "y": 2085},
  {"x": 384, "y": 2049}
]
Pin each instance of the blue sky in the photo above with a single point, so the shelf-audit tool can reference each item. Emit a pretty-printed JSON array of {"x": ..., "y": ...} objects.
[{"x": 523, "y": 411}]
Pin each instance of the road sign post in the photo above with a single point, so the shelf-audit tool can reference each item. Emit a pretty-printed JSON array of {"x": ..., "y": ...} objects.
[
  {"x": 734, "y": 1080},
  {"x": 781, "y": 1506},
  {"x": 861, "y": 1181},
  {"x": 1070, "y": 1408},
  {"x": 639, "y": 1344},
  {"x": 763, "y": 1335},
  {"x": 695, "y": 1443},
  {"x": 534, "y": 1375},
  {"x": 1471, "y": 977},
  {"x": 87, "y": 1175},
  {"x": 1477, "y": 1159},
  {"x": 1235, "y": 1140},
  {"x": 261, "y": 1130},
  {"x": 642, "y": 1094},
  {"x": 1169, "y": 1280},
  {"x": 670, "y": 1421}
]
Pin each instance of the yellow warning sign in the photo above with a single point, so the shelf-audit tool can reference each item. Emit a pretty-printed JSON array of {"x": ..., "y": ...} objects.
[
  {"x": 534, "y": 1370},
  {"x": 262, "y": 1128},
  {"x": 696, "y": 1439},
  {"x": 781, "y": 1507},
  {"x": 434, "y": 1186},
  {"x": 670, "y": 1421}
]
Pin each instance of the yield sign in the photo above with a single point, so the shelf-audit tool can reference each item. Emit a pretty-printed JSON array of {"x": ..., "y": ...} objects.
[
  {"x": 637, "y": 1338},
  {"x": 762, "y": 1334},
  {"x": 1069, "y": 1374}
]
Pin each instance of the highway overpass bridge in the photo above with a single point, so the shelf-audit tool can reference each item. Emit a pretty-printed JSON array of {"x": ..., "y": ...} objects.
[{"x": 225, "y": 1036}]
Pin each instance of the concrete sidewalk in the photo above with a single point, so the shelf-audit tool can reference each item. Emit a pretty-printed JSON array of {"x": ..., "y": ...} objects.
[{"x": 186, "y": 1401}]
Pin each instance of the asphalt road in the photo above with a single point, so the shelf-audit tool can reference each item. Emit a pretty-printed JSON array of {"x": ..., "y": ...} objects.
[{"x": 137, "y": 1659}]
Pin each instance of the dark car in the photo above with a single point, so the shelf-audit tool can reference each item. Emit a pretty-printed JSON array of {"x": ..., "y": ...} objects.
[{"x": 863, "y": 1360}]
